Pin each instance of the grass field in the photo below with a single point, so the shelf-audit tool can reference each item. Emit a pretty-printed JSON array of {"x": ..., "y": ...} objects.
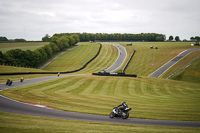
[
  {"x": 150, "y": 98},
  {"x": 106, "y": 58},
  {"x": 182, "y": 63},
  {"x": 146, "y": 60},
  {"x": 78, "y": 57},
  {"x": 21, "y": 45},
  {"x": 75, "y": 58},
  {"x": 16, "y": 123},
  {"x": 190, "y": 74}
]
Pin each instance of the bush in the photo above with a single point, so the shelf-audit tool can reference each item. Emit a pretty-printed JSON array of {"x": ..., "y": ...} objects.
[{"x": 19, "y": 57}]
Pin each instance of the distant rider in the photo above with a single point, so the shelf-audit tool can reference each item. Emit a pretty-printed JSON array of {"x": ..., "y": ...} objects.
[
  {"x": 8, "y": 81},
  {"x": 22, "y": 79}
]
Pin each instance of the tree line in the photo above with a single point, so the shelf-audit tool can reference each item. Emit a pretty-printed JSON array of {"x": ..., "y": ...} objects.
[
  {"x": 4, "y": 39},
  {"x": 18, "y": 57},
  {"x": 116, "y": 36}
]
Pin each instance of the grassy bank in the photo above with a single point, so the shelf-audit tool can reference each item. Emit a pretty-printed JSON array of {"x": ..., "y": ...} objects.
[
  {"x": 190, "y": 74},
  {"x": 150, "y": 98},
  {"x": 78, "y": 57},
  {"x": 182, "y": 63},
  {"x": 146, "y": 60},
  {"x": 75, "y": 58},
  {"x": 17, "y": 123}
]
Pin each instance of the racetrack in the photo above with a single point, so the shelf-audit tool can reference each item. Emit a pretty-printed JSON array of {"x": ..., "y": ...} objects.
[
  {"x": 8, "y": 105},
  {"x": 169, "y": 64},
  {"x": 12, "y": 106},
  {"x": 120, "y": 60}
]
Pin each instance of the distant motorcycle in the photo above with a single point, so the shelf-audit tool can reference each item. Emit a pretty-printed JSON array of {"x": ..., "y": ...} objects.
[
  {"x": 117, "y": 112},
  {"x": 9, "y": 82}
]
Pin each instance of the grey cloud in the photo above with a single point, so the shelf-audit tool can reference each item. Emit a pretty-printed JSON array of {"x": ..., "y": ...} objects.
[{"x": 33, "y": 19}]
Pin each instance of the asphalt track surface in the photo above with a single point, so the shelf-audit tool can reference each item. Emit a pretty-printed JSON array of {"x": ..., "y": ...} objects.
[
  {"x": 12, "y": 106},
  {"x": 120, "y": 60},
  {"x": 172, "y": 62}
]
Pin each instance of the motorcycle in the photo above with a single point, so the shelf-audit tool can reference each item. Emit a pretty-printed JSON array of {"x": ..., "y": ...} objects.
[{"x": 117, "y": 112}]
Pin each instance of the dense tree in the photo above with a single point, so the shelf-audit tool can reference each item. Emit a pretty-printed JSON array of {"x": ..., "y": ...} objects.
[
  {"x": 54, "y": 38},
  {"x": 159, "y": 38},
  {"x": 171, "y": 38},
  {"x": 54, "y": 47},
  {"x": 46, "y": 38},
  {"x": 71, "y": 41},
  {"x": 76, "y": 38},
  {"x": 16, "y": 56},
  {"x": 2, "y": 38},
  {"x": 116, "y": 36},
  {"x": 2, "y": 58},
  {"x": 192, "y": 38},
  {"x": 197, "y": 38},
  {"x": 37, "y": 57},
  {"x": 62, "y": 42},
  {"x": 20, "y": 40},
  {"x": 30, "y": 58},
  {"x": 48, "y": 50},
  {"x": 177, "y": 38},
  {"x": 43, "y": 53}
]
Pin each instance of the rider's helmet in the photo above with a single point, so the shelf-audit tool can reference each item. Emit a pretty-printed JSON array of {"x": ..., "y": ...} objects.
[{"x": 123, "y": 102}]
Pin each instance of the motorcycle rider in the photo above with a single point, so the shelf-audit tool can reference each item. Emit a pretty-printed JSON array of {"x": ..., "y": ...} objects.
[{"x": 124, "y": 106}]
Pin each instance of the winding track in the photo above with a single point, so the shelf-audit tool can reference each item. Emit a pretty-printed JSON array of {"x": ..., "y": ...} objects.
[
  {"x": 12, "y": 106},
  {"x": 169, "y": 64},
  {"x": 120, "y": 60}
]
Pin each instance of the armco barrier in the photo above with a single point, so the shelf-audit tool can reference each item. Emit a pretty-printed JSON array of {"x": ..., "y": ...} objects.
[
  {"x": 123, "y": 70},
  {"x": 23, "y": 73},
  {"x": 115, "y": 74},
  {"x": 183, "y": 68}
]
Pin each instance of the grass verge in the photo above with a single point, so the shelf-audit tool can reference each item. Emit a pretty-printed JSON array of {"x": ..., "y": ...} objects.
[
  {"x": 17, "y": 123},
  {"x": 190, "y": 74},
  {"x": 149, "y": 98}
]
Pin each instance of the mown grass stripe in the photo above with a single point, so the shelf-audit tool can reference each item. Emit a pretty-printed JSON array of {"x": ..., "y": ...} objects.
[{"x": 99, "y": 94}]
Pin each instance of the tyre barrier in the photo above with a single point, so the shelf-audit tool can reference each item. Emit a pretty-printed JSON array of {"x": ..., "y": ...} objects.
[
  {"x": 24, "y": 73},
  {"x": 115, "y": 74},
  {"x": 128, "y": 61}
]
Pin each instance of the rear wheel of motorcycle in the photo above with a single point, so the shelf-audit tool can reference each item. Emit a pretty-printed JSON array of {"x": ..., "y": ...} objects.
[
  {"x": 126, "y": 116},
  {"x": 112, "y": 115}
]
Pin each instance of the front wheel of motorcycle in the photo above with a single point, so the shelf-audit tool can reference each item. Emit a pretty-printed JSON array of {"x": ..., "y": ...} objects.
[
  {"x": 126, "y": 116},
  {"x": 112, "y": 115}
]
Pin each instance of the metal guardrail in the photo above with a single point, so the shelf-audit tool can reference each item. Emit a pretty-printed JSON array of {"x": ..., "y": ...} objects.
[{"x": 182, "y": 68}]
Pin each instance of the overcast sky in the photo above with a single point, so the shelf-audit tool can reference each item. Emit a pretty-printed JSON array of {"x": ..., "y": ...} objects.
[{"x": 32, "y": 19}]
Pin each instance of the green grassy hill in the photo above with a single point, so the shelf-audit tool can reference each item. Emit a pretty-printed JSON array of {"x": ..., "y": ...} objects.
[
  {"x": 75, "y": 58},
  {"x": 146, "y": 60},
  {"x": 150, "y": 98},
  {"x": 190, "y": 74},
  {"x": 182, "y": 63},
  {"x": 78, "y": 57}
]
